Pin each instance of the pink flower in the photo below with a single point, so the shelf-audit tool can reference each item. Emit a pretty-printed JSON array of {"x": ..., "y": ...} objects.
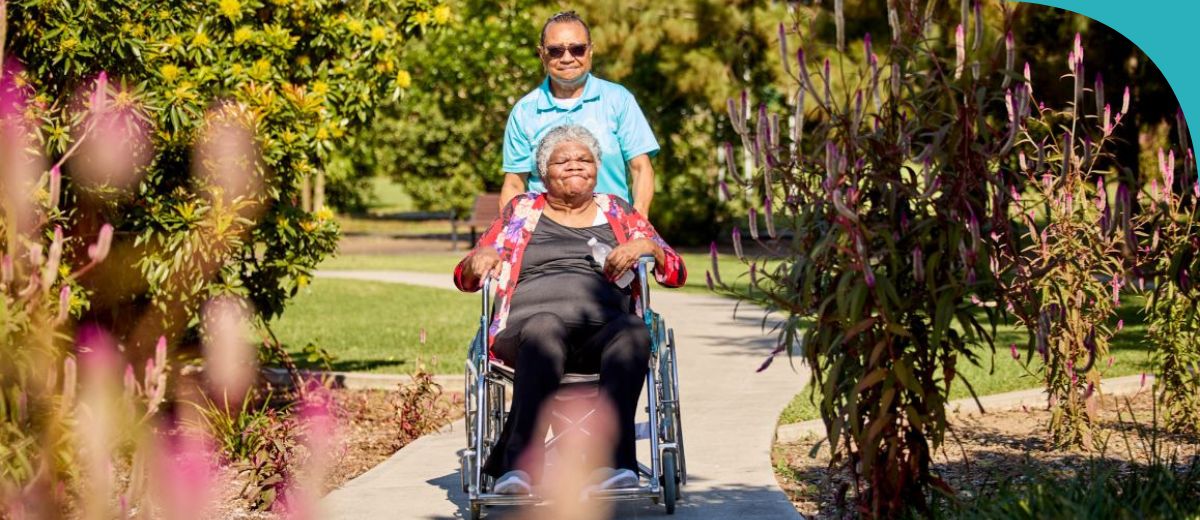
[
  {"x": 737, "y": 242},
  {"x": 1125, "y": 101},
  {"x": 64, "y": 304},
  {"x": 1012, "y": 349},
  {"x": 100, "y": 95},
  {"x": 960, "y": 51},
  {"x": 55, "y": 186},
  {"x": 1120, "y": 324},
  {"x": 1078, "y": 48},
  {"x": 98, "y": 251}
]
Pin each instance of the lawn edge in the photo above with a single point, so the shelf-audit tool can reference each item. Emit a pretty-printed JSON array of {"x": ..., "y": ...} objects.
[{"x": 1032, "y": 397}]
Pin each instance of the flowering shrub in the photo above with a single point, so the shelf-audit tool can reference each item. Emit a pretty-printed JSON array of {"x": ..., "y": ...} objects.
[
  {"x": 1171, "y": 222},
  {"x": 421, "y": 406},
  {"x": 155, "y": 158},
  {"x": 300, "y": 76},
  {"x": 889, "y": 193},
  {"x": 1068, "y": 270}
]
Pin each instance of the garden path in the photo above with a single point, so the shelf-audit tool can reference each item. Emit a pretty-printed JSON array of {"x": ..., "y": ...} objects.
[{"x": 729, "y": 416}]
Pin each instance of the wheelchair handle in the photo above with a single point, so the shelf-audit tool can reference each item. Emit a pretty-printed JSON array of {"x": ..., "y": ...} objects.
[{"x": 488, "y": 282}]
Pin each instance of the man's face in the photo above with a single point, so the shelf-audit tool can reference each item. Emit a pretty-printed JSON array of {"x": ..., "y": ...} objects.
[{"x": 561, "y": 39}]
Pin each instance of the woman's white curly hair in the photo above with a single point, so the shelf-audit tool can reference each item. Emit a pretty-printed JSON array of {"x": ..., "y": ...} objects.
[{"x": 564, "y": 134}]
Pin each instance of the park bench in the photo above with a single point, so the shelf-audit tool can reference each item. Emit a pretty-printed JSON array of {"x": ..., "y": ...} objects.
[{"x": 485, "y": 210}]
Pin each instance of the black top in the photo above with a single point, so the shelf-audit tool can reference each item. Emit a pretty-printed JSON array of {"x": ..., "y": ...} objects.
[{"x": 559, "y": 275}]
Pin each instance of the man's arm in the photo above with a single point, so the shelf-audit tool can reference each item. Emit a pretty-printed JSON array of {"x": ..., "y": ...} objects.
[
  {"x": 514, "y": 184},
  {"x": 641, "y": 174}
]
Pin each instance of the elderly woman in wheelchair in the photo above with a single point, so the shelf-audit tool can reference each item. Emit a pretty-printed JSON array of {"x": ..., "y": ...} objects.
[{"x": 558, "y": 310}]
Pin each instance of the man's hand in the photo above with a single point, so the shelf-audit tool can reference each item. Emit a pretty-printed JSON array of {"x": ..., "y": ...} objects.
[
  {"x": 514, "y": 184},
  {"x": 483, "y": 262},
  {"x": 626, "y": 255}
]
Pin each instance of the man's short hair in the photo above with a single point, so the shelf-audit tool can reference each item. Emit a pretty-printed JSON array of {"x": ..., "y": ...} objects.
[
  {"x": 564, "y": 17},
  {"x": 563, "y": 134}
]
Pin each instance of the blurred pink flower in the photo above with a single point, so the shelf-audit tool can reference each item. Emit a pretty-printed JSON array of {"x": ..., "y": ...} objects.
[
  {"x": 64, "y": 304},
  {"x": 960, "y": 51},
  {"x": 98, "y": 251}
]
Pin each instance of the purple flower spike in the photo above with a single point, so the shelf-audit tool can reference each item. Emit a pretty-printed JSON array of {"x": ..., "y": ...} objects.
[
  {"x": 730, "y": 162},
  {"x": 1125, "y": 101},
  {"x": 783, "y": 50},
  {"x": 1120, "y": 324},
  {"x": 918, "y": 261},
  {"x": 869, "y": 276},
  {"x": 1012, "y": 349}
]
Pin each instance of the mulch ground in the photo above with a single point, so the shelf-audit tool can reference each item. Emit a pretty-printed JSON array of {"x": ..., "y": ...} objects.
[
  {"x": 369, "y": 430},
  {"x": 985, "y": 450}
]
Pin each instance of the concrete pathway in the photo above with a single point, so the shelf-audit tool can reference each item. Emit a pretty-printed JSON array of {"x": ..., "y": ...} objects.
[{"x": 729, "y": 415}]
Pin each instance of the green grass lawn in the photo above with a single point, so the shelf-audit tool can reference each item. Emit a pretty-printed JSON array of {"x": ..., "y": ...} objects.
[
  {"x": 375, "y": 327},
  {"x": 388, "y": 196},
  {"x": 732, "y": 271},
  {"x": 1001, "y": 373}
]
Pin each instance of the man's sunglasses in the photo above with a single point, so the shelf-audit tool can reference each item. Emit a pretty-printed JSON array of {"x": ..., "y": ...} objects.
[{"x": 577, "y": 50}]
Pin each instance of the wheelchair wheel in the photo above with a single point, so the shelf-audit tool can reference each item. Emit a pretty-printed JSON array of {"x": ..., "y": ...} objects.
[
  {"x": 677, "y": 409},
  {"x": 670, "y": 481},
  {"x": 476, "y": 511}
]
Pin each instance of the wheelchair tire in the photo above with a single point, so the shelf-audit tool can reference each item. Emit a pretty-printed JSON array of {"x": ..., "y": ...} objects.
[{"x": 670, "y": 481}]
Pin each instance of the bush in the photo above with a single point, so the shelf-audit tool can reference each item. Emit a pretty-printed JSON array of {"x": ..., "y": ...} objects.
[
  {"x": 300, "y": 76},
  {"x": 1162, "y": 489}
]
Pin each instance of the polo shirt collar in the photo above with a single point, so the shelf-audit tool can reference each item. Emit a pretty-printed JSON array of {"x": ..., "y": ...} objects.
[{"x": 591, "y": 92}]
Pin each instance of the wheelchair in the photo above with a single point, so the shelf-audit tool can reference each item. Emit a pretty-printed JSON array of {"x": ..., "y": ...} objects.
[{"x": 484, "y": 397}]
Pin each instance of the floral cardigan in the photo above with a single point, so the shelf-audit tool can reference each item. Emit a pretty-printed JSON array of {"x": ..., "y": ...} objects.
[{"x": 510, "y": 233}]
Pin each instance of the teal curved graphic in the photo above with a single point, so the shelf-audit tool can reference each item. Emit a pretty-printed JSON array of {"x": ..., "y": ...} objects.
[{"x": 1165, "y": 31}]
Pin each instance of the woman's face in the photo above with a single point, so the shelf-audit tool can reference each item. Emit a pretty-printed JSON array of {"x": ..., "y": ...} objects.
[{"x": 570, "y": 171}]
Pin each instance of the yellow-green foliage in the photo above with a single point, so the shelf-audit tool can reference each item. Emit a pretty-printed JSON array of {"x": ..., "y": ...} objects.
[{"x": 303, "y": 74}]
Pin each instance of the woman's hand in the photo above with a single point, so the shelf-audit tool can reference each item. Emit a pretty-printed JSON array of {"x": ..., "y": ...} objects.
[
  {"x": 483, "y": 262},
  {"x": 626, "y": 255}
]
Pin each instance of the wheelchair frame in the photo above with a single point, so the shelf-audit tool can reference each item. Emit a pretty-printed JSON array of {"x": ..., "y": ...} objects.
[{"x": 485, "y": 414}]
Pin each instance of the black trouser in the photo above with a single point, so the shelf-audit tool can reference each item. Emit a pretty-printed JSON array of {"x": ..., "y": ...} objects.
[{"x": 542, "y": 350}]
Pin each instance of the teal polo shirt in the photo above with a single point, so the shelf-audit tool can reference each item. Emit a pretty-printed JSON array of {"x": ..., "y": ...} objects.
[{"x": 606, "y": 109}]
